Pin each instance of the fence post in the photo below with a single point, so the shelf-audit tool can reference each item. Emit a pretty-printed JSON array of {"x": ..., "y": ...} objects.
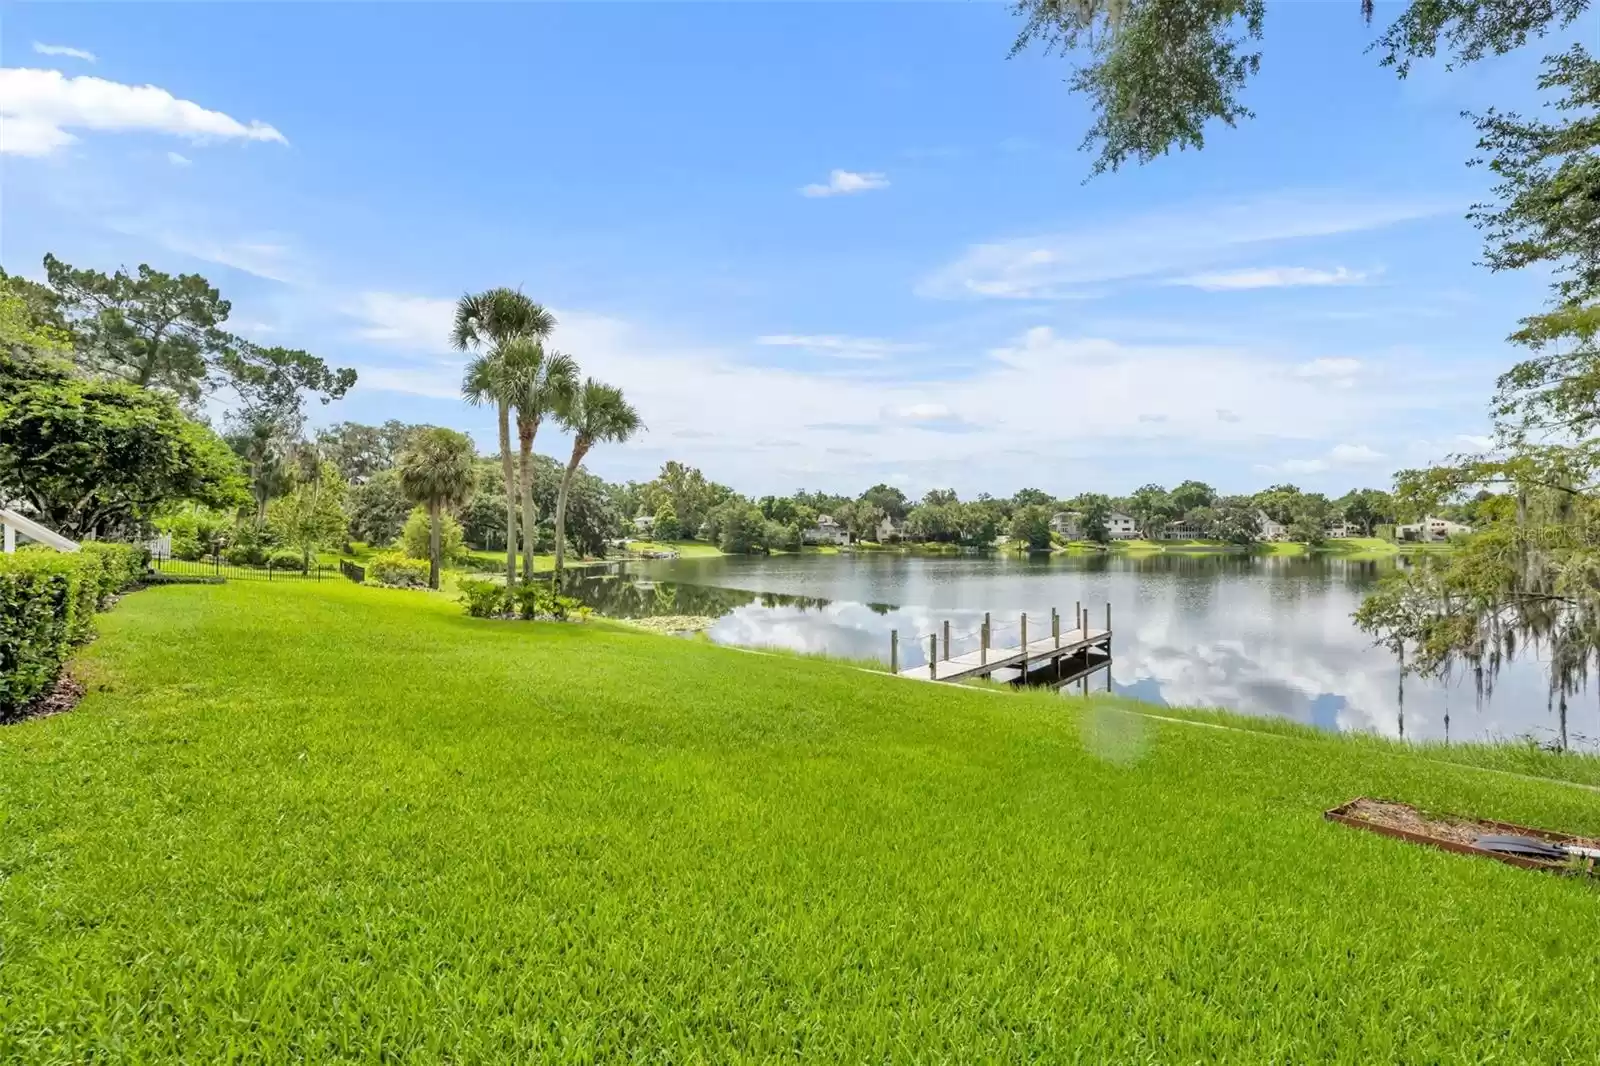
[
  {"x": 894, "y": 651},
  {"x": 216, "y": 564},
  {"x": 933, "y": 656},
  {"x": 269, "y": 569},
  {"x": 947, "y": 640}
]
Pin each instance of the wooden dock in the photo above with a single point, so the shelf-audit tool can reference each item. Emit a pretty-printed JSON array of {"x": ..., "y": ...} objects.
[{"x": 1057, "y": 656}]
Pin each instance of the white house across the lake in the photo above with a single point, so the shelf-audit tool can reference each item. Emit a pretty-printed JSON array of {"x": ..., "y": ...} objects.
[
  {"x": 1069, "y": 524},
  {"x": 1270, "y": 530},
  {"x": 826, "y": 531},
  {"x": 1430, "y": 531}
]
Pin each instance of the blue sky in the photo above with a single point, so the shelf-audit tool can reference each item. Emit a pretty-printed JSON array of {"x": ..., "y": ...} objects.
[{"x": 820, "y": 245}]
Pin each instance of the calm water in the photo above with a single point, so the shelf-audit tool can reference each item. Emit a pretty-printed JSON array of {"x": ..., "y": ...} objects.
[{"x": 1267, "y": 636}]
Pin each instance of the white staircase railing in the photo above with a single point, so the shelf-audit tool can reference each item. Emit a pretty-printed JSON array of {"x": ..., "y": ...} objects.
[{"x": 15, "y": 523}]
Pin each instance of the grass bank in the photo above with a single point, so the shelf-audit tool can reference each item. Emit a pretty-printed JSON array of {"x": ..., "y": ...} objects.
[
  {"x": 687, "y": 549},
  {"x": 320, "y": 822}
]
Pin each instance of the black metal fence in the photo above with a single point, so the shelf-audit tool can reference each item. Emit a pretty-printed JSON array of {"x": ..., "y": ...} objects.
[
  {"x": 214, "y": 566},
  {"x": 353, "y": 571}
]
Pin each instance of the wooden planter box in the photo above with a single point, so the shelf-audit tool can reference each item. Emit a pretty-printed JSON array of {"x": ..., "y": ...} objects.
[{"x": 1439, "y": 835}]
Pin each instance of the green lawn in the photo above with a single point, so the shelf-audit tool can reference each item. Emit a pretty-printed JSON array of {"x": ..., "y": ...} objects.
[
  {"x": 688, "y": 549},
  {"x": 318, "y": 822}
]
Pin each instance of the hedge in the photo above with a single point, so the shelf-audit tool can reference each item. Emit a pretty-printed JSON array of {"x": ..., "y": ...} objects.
[{"x": 47, "y": 605}]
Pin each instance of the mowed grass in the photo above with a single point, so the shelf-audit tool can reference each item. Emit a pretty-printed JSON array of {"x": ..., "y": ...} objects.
[
  {"x": 326, "y": 823},
  {"x": 687, "y": 549}
]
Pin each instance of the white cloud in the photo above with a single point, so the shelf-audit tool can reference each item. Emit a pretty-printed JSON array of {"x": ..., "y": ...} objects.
[
  {"x": 1349, "y": 454},
  {"x": 1003, "y": 418},
  {"x": 1270, "y": 278},
  {"x": 178, "y": 160},
  {"x": 263, "y": 258},
  {"x": 418, "y": 323},
  {"x": 924, "y": 412},
  {"x": 1340, "y": 455},
  {"x": 845, "y": 182},
  {"x": 840, "y": 347},
  {"x": 1329, "y": 368},
  {"x": 1182, "y": 241},
  {"x": 1299, "y": 466},
  {"x": 64, "y": 50},
  {"x": 39, "y": 107}
]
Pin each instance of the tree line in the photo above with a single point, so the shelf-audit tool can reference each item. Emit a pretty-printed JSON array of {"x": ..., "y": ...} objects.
[
  {"x": 105, "y": 378},
  {"x": 684, "y": 504}
]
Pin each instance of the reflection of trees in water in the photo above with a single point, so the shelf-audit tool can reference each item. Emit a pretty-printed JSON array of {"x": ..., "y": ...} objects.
[{"x": 624, "y": 597}]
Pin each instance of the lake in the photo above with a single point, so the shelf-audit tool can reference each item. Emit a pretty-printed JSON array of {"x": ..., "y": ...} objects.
[{"x": 1263, "y": 635}]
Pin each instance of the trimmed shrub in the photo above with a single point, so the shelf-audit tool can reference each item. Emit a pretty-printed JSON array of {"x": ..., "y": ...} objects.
[
  {"x": 394, "y": 570},
  {"x": 484, "y": 599},
  {"x": 122, "y": 566},
  {"x": 244, "y": 555},
  {"x": 47, "y": 603},
  {"x": 286, "y": 559}
]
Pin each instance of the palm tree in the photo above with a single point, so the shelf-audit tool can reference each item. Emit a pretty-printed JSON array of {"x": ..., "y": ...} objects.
[
  {"x": 594, "y": 413},
  {"x": 486, "y": 322},
  {"x": 539, "y": 381},
  {"x": 436, "y": 471}
]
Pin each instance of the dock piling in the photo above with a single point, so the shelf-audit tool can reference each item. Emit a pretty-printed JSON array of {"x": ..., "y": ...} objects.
[
  {"x": 1024, "y": 647},
  {"x": 947, "y": 640},
  {"x": 933, "y": 656},
  {"x": 1055, "y": 626},
  {"x": 894, "y": 651}
]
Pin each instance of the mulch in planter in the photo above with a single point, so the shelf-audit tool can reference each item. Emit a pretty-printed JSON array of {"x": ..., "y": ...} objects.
[
  {"x": 57, "y": 699},
  {"x": 1459, "y": 833}
]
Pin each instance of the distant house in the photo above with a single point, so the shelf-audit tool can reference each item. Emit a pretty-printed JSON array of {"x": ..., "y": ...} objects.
[
  {"x": 1340, "y": 530},
  {"x": 1121, "y": 526},
  {"x": 1271, "y": 530},
  {"x": 826, "y": 531},
  {"x": 889, "y": 530},
  {"x": 1430, "y": 531},
  {"x": 1182, "y": 529},
  {"x": 1068, "y": 524},
  {"x": 645, "y": 524}
]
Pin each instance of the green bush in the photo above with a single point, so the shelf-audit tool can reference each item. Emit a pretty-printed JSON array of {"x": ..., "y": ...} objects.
[
  {"x": 47, "y": 603},
  {"x": 484, "y": 599},
  {"x": 414, "y": 539},
  {"x": 122, "y": 566},
  {"x": 186, "y": 546},
  {"x": 394, "y": 570},
  {"x": 540, "y": 600},
  {"x": 244, "y": 555},
  {"x": 286, "y": 559}
]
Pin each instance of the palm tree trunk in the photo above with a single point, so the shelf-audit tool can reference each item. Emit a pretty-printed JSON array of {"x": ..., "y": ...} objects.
[
  {"x": 508, "y": 472},
  {"x": 578, "y": 449},
  {"x": 526, "y": 428},
  {"x": 433, "y": 544}
]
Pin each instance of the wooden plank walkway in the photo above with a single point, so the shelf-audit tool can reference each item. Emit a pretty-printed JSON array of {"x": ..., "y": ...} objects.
[{"x": 1038, "y": 652}]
